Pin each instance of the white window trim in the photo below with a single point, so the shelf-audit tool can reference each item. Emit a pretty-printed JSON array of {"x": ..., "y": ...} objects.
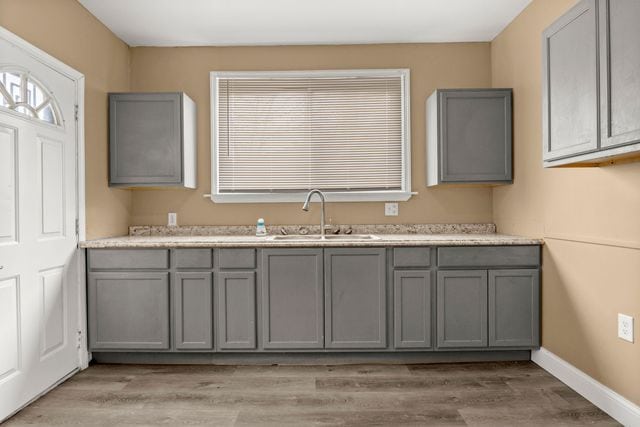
[{"x": 352, "y": 196}]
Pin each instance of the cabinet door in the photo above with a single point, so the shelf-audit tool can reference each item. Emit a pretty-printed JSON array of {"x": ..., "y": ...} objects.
[
  {"x": 619, "y": 77},
  {"x": 193, "y": 311},
  {"x": 570, "y": 83},
  {"x": 237, "y": 310},
  {"x": 129, "y": 311},
  {"x": 412, "y": 309},
  {"x": 514, "y": 308},
  {"x": 145, "y": 139},
  {"x": 292, "y": 298},
  {"x": 355, "y": 298},
  {"x": 476, "y": 136},
  {"x": 462, "y": 308}
]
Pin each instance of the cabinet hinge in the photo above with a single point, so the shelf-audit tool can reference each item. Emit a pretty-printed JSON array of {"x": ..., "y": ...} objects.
[
  {"x": 75, "y": 111},
  {"x": 77, "y": 227},
  {"x": 79, "y": 339}
]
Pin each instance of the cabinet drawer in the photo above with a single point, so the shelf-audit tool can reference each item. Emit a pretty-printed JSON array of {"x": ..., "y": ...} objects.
[
  {"x": 128, "y": 259},
  {"x": 237, "y": 258},
  {"x": 489, "y": 256},
  {"x": 411, "y": 257},
  {"x": 193, "y": 258}
]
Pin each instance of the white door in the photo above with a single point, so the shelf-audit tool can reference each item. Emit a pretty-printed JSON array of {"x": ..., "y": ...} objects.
[{"x": 38, "y": 211}]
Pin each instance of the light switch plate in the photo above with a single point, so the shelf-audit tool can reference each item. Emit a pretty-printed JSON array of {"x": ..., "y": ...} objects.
[
  {"x": 625, "y": 327},
  {"x": 390, "y": 209},
  {"x": 172, "y": 219}
]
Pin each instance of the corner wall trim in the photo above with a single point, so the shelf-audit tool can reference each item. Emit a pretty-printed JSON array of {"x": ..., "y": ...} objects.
[{"x": 622, "y": 410}]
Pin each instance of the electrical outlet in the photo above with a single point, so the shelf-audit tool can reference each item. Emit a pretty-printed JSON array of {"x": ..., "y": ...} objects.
[
  {"x": 625, "y": 327},
  {"x": 390, "y": 209},
  {"x": 172, "y": 219}
]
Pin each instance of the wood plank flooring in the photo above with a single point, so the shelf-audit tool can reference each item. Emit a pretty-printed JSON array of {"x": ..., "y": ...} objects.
[{"x": 474, "y": 394}]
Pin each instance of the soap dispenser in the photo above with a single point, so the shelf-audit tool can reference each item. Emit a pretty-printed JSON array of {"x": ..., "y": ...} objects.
[{"x": 261, "y": 230}]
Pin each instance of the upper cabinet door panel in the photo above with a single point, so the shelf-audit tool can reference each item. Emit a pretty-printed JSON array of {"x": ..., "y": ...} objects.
[
  {"x": 476, "y": 135},
  {"x": 469, "y": 136},
  {"x": 570, "y": 83},
  {"x": 152, "y": 140},
  {"x": 619, "y": 72},
  {"x": 145, "y": 138}
]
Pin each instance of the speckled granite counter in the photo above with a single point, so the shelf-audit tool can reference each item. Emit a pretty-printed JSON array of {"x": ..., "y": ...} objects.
[{"x": 252, "y": 241}]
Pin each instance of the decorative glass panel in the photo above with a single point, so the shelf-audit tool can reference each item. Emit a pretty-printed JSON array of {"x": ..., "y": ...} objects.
[{"x": 23, "y": 94}]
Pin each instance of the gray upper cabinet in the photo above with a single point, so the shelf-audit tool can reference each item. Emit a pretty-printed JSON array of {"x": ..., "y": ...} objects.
[
  {"x": 128, "y": 311},
  {"x": 236, "y": 310},
  {"x": 590, "y": 84},
  {"x": 355, "y": 298},
  {"x": 619, "y": 72},
  {"x": 469, "y": 136},
  {"x": 193, "y": 311},
  {"x": 152, "y": 140},
  {"x": 514, "y": 298},
  {"x": 462, "y": 308},
  {"x": 292, "y": 298},
  {"x": 412, "y": 296},
  {"x": 570, "y": 83}
]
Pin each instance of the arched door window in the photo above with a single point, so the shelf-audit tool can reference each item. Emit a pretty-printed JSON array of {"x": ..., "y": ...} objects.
[{"x": 22, "y": 93}]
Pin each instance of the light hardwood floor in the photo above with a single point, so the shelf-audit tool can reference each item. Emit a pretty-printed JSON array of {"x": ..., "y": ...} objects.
[{"x": 487, "y": 394}]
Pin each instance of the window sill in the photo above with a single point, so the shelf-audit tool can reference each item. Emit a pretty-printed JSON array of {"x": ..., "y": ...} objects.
[{"x": 363, "y": 196}]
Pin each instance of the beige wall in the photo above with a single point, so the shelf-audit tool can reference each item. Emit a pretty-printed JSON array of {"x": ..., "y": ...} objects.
[
  {"x": 432, "y": 66},
  {"x": 67, "y": 31},
  {"x": 589, "y": 218}
]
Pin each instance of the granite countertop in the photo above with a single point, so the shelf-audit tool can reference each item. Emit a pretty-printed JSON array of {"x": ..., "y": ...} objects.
[
  {"x": 222, "y": 241},
  {"x": 210, "y": 236}
]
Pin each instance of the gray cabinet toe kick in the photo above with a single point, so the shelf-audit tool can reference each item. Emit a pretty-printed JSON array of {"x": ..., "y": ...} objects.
[{"x": 306, "y": 300}]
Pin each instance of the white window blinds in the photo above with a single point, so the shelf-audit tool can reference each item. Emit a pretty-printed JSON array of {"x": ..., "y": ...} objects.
[{"x": 292, "y": 133}]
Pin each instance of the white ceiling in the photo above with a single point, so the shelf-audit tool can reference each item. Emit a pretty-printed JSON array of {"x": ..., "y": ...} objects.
[{"x": 285, "y": 22}]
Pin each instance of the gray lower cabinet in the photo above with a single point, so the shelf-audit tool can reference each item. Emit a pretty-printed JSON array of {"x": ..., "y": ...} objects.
[
  {"x": 128, "y": 311},
  {"x": 302, "y": 299},
  {"x": 292, "y": 299},
  {"x": 193, "y": 311},
  {"x": 412, "y": 311},
  {"x": 514, "y": 299},
  {"x": 469, "y": 136},
  {"x": 355, "y": 298},
  {"x": 570, "y": 83},
  {"x": 236, "y": 310},
  {"x": 462, "y": 308}
]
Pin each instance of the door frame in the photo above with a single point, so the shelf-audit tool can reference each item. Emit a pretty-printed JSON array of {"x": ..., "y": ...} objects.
[{"x": 78, "y": 78}]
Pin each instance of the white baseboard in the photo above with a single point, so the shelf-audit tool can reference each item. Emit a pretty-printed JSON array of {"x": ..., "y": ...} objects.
[{"x": 619, "y": 408}]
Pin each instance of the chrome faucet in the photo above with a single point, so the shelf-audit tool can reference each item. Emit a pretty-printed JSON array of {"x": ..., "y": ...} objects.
[{"x": 305, "y": 207}]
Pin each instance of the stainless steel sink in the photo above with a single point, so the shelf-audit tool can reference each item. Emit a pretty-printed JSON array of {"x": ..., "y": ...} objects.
[
  {"x": 297, "y": 237},
  {"x": 327, "y": 237},
  {"x": 351, "y": 237}
]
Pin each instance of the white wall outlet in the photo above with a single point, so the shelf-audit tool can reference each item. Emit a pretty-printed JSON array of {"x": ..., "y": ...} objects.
[
  {"x": 172, "y": 219},
  {"x": 390, "y": 209},
  {"x": 625, "y": 327}
]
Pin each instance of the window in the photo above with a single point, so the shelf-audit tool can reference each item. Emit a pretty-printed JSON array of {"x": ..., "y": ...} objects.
[
  {"x": 23, "y": 94},
  {"x": 277, "y": 135}
]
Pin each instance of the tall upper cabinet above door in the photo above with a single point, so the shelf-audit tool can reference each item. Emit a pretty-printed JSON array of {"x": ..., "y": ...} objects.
[
  {"x": 591, "y": 84},
  {"x": 570, "y": 83},
  {"x": 619, "y": 72},
  {"x": 152, "y": 140}
]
